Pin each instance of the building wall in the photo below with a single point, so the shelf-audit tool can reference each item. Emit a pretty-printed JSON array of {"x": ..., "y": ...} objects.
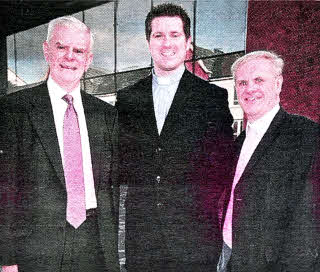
[
  {"x": 234, "y": 106},
  {"x": 291, "y": 29}
]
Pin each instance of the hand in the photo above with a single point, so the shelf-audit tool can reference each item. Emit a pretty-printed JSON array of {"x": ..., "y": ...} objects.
[{"x": 10, "y": 268}]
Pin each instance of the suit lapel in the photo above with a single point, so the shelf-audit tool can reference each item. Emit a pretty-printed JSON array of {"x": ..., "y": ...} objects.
[
  {"x": 41, "y": 116},
  {"x": 238, "y": 144},
  {"x": 95, "y": 126},
  {"x": 185, "y": 88},
  {"x": 266, "y": 141},
  {"x": 148, "y": 121}
]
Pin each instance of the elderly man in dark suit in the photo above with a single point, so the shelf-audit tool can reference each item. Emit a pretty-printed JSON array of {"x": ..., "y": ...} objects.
[
  {"x": 269, "y": 223},
  {"x": 57, "y": 157},
  {"x": 166, "y": 121}
]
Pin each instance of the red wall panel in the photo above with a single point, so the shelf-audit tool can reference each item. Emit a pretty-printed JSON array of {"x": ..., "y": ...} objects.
[{"x": 291, "y": 29}]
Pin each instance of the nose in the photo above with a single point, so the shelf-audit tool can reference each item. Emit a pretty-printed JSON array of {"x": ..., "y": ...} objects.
[
  {"x": 166, "y": 41},
  {"x": 69, "y": 54},
  {"x": 252, "y": 86}
]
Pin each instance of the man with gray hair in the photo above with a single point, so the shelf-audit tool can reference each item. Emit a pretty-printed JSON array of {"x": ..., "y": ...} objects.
[
  {"x": 58, "y": 145},
  {"x": 268, "y": 219}
]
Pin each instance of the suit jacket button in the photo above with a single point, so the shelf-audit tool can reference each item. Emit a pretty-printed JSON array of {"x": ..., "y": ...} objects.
[
  {"x": 1, "y": 151},
  {"x": 158, "y": 179}
]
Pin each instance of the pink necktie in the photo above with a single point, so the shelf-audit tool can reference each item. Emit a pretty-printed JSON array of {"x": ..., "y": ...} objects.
[
  {"x": 245, "y": 155},
  {"x": 10, "y": 268},
  {"x": 73, "y": 172}
]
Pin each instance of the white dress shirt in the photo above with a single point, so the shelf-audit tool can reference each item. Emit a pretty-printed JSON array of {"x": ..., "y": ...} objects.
[
  {"x": 59, "y": 107},
  {"x": 254, "y": 134},
  {"x": 163, "y": 92}
]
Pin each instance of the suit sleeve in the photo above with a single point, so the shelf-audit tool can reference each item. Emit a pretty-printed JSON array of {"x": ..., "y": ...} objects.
[
  {"x": 218, "y": 142},
  {"x": 212, "y": 162},
  {"x": 110, "y": 167},
  {"x": 8, "y": 190},
  {"x": 115, "y": 167},
  {"x": 301, "y": 244},
  {"x": 315, "y": 179},
  {"x": 124, "y": 138},
  {"x": 108, "y": 196}
]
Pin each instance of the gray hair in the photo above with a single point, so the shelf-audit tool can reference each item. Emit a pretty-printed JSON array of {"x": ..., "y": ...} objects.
[
  {"x": 276, "y": 60},
  {"x": 69, "y": 21}
]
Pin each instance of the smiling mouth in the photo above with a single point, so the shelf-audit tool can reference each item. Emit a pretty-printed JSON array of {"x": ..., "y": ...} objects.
[
  {"x": 68, "y": 67},
  {"x": 253, "y": 97},
  {"x": 167, "y": 54},
  {"x": 250, "y": 99}
]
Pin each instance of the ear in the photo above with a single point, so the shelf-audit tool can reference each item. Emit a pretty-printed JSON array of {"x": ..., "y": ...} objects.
[
  {"x": 279, "y": 81},
  {"x": 89, "y": 61},
  {"x": 236, "y": 93},
  {"x": 45, "y": 47},
  {"x": 148, "y": 43},
  {"x": 189, "y": 40}
]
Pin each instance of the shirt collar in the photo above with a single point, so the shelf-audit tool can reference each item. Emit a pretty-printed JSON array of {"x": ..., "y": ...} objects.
[
  {"x": 261, "y": 125},
  {"x": 57, "y": 92},
  {"x": 168, "y": 80}
]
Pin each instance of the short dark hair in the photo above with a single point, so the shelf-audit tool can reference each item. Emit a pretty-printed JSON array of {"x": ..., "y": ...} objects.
[{"x": 169, "y": 10}]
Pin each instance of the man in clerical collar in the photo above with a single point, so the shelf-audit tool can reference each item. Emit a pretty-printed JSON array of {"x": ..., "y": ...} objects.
[{"x": 167, "y": 123}]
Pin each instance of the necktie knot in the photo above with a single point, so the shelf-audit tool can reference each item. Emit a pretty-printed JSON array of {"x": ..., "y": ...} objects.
[{"x": 68, "y": 98}]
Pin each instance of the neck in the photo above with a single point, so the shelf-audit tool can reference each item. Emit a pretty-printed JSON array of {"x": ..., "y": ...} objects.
[
  {"x": 163, "y": 73},
  {"x": 67, "y": 86}
]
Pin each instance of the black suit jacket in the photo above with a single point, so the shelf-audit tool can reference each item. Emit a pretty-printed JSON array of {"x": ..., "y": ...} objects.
[
  {"x": 32, "y": 176},
  {"x": 171, "y": 215},
  {"x": 274, "y": 227}
]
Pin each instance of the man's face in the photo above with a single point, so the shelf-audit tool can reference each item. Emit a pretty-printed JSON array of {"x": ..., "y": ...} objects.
[
  {"x": 168, "y": 44},
  {"x": 68, "y": 55},
  {"x": 258, "y": 87}
]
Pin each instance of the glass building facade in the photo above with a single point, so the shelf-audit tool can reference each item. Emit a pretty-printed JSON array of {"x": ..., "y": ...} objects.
[{"x": 121, "y": 55}]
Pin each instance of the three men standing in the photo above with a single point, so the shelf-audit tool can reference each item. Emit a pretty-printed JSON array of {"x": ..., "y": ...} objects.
[
  {"x": 175, "y": 131},
  {"x": 166, "y": 121},
  {"x": 58, "y": 145}
]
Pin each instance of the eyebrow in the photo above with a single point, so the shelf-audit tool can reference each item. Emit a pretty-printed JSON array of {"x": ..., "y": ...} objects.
[
  {"x": 77, "y": 48},
  {"x": 173, "y": 31}
]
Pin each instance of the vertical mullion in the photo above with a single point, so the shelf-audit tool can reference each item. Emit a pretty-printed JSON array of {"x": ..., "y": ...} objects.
[
  {"x": 194, "y": 34},
  {"x": 115, "y": 11}
]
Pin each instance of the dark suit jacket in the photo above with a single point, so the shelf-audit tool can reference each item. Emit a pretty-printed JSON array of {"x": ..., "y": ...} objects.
[
  {"x": 171, "y": 216},
  {"x": 273, "y": 220},
  {"x": 32, "y": 173}
]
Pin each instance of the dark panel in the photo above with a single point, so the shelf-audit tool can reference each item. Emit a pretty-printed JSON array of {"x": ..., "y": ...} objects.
[
  {"x": 19, "y": 15},
  {"x": 108, "y": 84},
  {"x": 3, "y": 64}
]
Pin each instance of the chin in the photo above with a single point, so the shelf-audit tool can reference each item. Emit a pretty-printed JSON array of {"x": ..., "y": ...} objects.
[{"x": 71, "y": 78}]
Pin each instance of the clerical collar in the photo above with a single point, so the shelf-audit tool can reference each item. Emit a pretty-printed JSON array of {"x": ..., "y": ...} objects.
[{"x": 171, "y": 79}]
